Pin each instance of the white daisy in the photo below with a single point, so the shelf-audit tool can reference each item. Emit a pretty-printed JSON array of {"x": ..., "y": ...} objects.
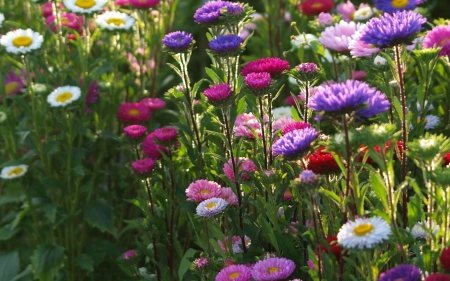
[
  {"x": 63, "y": 95},
  {"x": 2, "y": 116},
  {"x": 303, "y": 40},
  {"x": 211, "y": 207},
  {"x": 379, "y": 60},
  {"x": 284, "y": 111},
  {"x": 84, "y": 6},
  {"x": 363, "y": 233},
  {"x": 115, "y": 20},
  {"x": 21, "y": 41},
  {"x": 12, "y": 172},
  {"x": 364, "y": 13},
  {"x": 2, "y": 18},
  {"x": 421, "y": 230}
]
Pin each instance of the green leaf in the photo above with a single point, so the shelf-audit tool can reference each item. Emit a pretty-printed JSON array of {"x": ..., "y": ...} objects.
[
  {"x": 186, "y": 262},
  {"x": 99, "y": 215},
  {"x": 415, "y": 210},
  {"x": 7, "y": 232},
  {"x": 9, "y": 265},
  {"x": 317, "y": 47},
  {"x": 46, "y": 261},
  {"x": 50, "y": 211},
  {"x": 380, "y": 190},
  {"x": 85, "y": 262}
]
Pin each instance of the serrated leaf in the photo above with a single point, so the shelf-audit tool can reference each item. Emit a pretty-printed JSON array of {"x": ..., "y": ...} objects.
[
  {"x": 99, "y": 215},
  {"x": 46, "y": 261},
  {"x": 9, "y": 265},
  {"x": 85, "y": 262}
]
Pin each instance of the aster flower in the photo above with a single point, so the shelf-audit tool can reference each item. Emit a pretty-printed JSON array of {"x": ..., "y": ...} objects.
[
  {"x": 21, "y": 41},
  {"x": 322, "y": 163},
  {"x": 272, "y": 269},
  {"x": 439, "y": 36},
  {"x": 245, "y": 124},
  {"x": 258, "y": 83},
  {"x": 122, "y": 2},
  {"x": 84, "y": 6},
  {"x": 280, "y": 112},
  {"x": 63, "y": 96},
  {"x": 13, "y": 84},
  {"x": 92, "y": 95},
  {"x": 113, "y": 20},
  {"x": 130, "y": 254},
  {"x": 303, "y": 40},
  {"x": 165, "y": 136},
  {"x": 297, "y": 125},
  {"x": 444, "y": 258},
  {"x": 237, "y": 247},
  {"x": 178, "y": 41},
  {"x": 199, "y": 263},
  {"x": 315, "y": 7},
  {"x": 294, "y": 143},
  {"x": 360, "y": 49},
  {"x": 236, "y": 272},
  {"x": 337, "y": 37},
  {"x": 347, "y": 97},
  {"x": 363, "y": 233},
  {"x": 212, "y": 12},
  {"x": 153, "y": 103},
  {"x": 68, "y": 20},
  {"x": 211, "y": 207},
  {"x": 226, "y": 45},
  {"x": 144, "y": 4},
  {"x": 47, "y": 9},
  {"x": 227, "y": 194},
  {"x": 346, "y": 9},
  {"x": 151, "y": 149},
  {"x": 223, "y": 244},
  {"x": 336, "y": 250},
  {"x": 389, "y": 30},
  {"x": 392, "y": 6},
  {"x": 12, "y": 172},
  {"x": 274, "y": 66},
  {"x": 134, "y": 131},
  {"x": 405, "y": 272},
  {"x": 420, "y": 230},
  {"x": 201, "y": 190},
  {"x": 143, "y": 166},
  {"x": 363, "y": 14},
  {"x": 430, "y": 121},
  {"x": 281, "y": 123},
  {"x": 437, "y": 277},
  {"x": 325, "y": 19},
  {"x": 244, "y": 165},
  {"x": 133, "y": 112},
  {"x": 219, "y": 95},
  {"x": 446, "y": 160}
]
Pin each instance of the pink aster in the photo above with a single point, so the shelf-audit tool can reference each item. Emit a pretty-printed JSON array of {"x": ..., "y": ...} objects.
[
  {"x": 337, "y": 37},
  {"x": 153, "y": 103},
  {"x": 13, "y": 84},
  {"x": 201, "y": 190},
  {"x": 68, "y": 20},
  {"x": 260, "y": 80},
  {"x": 325, "y": 19},
  {"x": 290, "y": 100},
  {"x": 280, "y": 123},
  {"x": 346, "y": 9},
  {"x": 133, "y": 112},
  {"x": 200, "y": 262},
  {"x": 122, "y": 2},
  {"x": 245, "y": 124},
  {"x": 47, "y": 9},
  {"x": 151, "y": 149},
  {"x": 129, "y": 254},
  {"x": 272, "y": 269},
  {"x": 134, "y": 131},
  {"x": 244, "y": 165},
  {"x": 165, "y": 135},
  {"x": 227, "y": 194},
  {"x": 439, "y": 36},
  {"x": 234, "y": 273},
  {"x": 274, "y": 66},
  {"x": 219, "y": 92},
  {"x": 359, "y": 74},
  {"x": 358, "y": 48},
  {"x": 299, "y": 125},
  {"x": 143, "y": 166},
  {"x": 143, "y": 4}
]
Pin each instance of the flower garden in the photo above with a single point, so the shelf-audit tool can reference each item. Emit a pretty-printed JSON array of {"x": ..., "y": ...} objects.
[{"x": 220, "y": 140}]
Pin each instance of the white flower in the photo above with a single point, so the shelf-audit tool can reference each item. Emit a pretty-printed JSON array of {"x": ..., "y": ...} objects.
[
  {"x": 211, "y": 207},
  {"x": 363, "y": 13},
  {"x": 63, "y": 95},
  {"x": 115, "y": 20},
  {"x": 303, "y": 40},
  {"x": 2, "y": 116},
  {"x": 284, "y": 111},
  {"x": 84, "y": 6},
  {"x": 2, "y": 18},
  {"x": 421, "y": 230},
  {"x": 12, "y": 172},
  {"x": 379, "y": 60},
  {"x": 363, "y": 233},
  {"x": 426, "y": 143},
  {"x": 21, "y": 41}
]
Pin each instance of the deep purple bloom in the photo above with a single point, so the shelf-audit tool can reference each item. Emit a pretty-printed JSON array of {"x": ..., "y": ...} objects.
[
  {"x": 210, "y": 12},
  {"x": 259, "y": 80},
  {"x": 294, "y": 143},
  {"x": 392, "y": 6},
  {"x": 274, "y": 66},
  {"x": 349, "y": 96},
  {"x": 273, "y": 269},
  {"x": 178, "y": 40},
  {"x": 389, "y": 30},
  {"x": 439, "y": 36},
  {"x": 404, "y": 272},
  {"x": 225, "y": 43}
]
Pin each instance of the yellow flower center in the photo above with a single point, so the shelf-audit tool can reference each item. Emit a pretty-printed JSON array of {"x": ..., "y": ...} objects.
[
  {"x": 234, "y": 275},
  {"x": 11, "y": 87},
  {"x": 205, "y": 191},
  {"x": 399, "y": 3},
  {"x": 64, "y": 97},
  {"x": 85, "y": 4},
  {"x": 445, "y": 41},
  {"x": 271, "y": 270},
  {"x": 15, "y": 172},
  {"x": 134, "y": 112},
  {"x": 65, "y": 21},
  {"x": 115, "y": 21},
  {"x": 211, "y": 205},
  {"x": 363, "y": 229},
  {"x": 22, "y": 41},
  {"x": 316, "y": 5}
]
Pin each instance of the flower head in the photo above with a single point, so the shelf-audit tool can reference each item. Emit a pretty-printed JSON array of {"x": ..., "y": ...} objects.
[
  {"x": 315, "y": 7},
  {"x": 325, "y": 19},
  {"x": 153, "y": 103},
  {"x": 274, "y": 66},
  {"x": 21, "y": 41},
  {"x": 135, "y": 131},
  {"x": 165, "y": 136},
  {"x": 84, "y": 6},
  {"x": 258, "y": 80},
  {"x": 421, "y": 230},
  {"x": 226, "y": 45},
  {"x": 12, "y": 172},
  {"x": 299, "y": 125},
  {"x": 113, "y": 20},
  {"x": 337, "y": 37},
  {"x": 359, "y": 48},
  {"x": 272, "y": 269},
  {"x": 144, "y": 4},
  {"x": 281, "y": 112},
  {"x": 237, "y": 272},
  {"x": 295, "y": 143},
  {"x": 389, "y": 30},
  {"x": 444, "y": 258},
  {"x": 364, "y": 13},
  {"x": 211, "y": 207},
  {"x": 227, "y": 194},
  {"x": 63, "y": 96},
  {"x": 201, "y": 190},
  {"x": 133, "y": 112},
  {"x": 346, "y": 9},
  {"x": 281, "y": 123},
  {"x": 219, "y": 95},
  {"x": 143, "y": 166},
  {"x": 178, "y": 41},
  {"x": 151, "y": 149},
  {"x": 68, "y": 20},
  {"x": 405, "y": 272},
  {"x": 322, "y": 163},
  {"x": 363, "y": 233},
  {"x": 244, "y": 165},
  {"x": 336, "y": 250},
  {"x": 437, "y": 277},
  {"x": 439, "y": 36},
  {"x": 122, "y": 2},
  {"x": 13, "y": 84},
  {"x": 245, "y": 124},
  {"x": 392, "y": 6},
  {"x": 129, "y": 254},
  {"x": 211, "y": 12},
  {"x": 201, "y": 262},
  {"x": 3, "y": 116}
]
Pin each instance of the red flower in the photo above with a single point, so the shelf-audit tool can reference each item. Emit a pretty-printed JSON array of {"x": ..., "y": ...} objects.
[
  {"x": 438, "y": 277},
  {"x": 336, "y": 250},
  {"x": 321, "y": 162},
  {"x": 445, "y": 258},
  {"x": 363, "y": 149},
  {"x": 446, "y": 160},
  {"x": 315, "y": 7}
]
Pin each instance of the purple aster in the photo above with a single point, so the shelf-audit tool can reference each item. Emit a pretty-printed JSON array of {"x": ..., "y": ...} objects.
[
  {"x": 404, "y": 272},
  {"x": 439, "y": 36},
  {"x": 219, "y": 94},
  {"x": 389, "y": 30},
  {"x": 236, "y": 272},
  {"x": 225, "y": 43},
  {"x": 135, "y": 131},
  {"x": 294, "y": 143},
  {"x": 143, "y": 166},
  {"x": 273, "y": 269},
  {"x": 210, "y": 12},
  {"x": 392, "y": 6},
  {"x": 258, "y": 81},
  {"x": 177, "y": 41},
  {"x": 307, "y": 176},
  {"x": 307, "y": 67},
  {"x": 349, "y": 96}
]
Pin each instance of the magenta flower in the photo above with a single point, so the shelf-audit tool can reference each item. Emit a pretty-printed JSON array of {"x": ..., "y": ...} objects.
[
  {"x": 438, "y": 37},
  {"x": 219, "y": 92},
  {"x": 227, "y": 194},
  {"x": 143, "y": 166},
  {"x": 153, "y": 103},
  {"x": 258, "y": 80},
  {"x": 129, "y": 254},
  {"x": 200, "y": 262},
  {"x": 234, "y": 273},
  {"x": 274, "y": 66},
  {"x": 151, "y": 149},
  {"x": 244, "y": 165},
  {"x": 122, "y": 2},
  {"x": 133, "y": 112},
  {"x": 337, "y": 37},
  {"x": 165, "y": 136},
  {"x": 307, "y": 67},
  {"x": 13, "y": 84},
  {"x": 281, "y": 123},
  {"x": 143, "y": 4},
  {"x": 273, "y": 269},
  {"x": 134, "y": 131},
  {"x": 245, "y": 124},
  {"x": 68, "y": 20},
  {"x": 47, "y": 9},
  {"x": 201, "y": 190}
]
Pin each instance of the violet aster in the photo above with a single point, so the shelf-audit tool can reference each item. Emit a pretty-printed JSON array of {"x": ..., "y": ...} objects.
[
  {"x": 235, "y": 272},
  {"x": 439, "y": 36},
  {"x": 337, "y": 37},
  {"x": 294, "y": 143},
  {"x": 226, "y": 45},
  {"x": 219, "y": 95},
  {"x": 390, "y": 30},
  {"x": 273, "y": 269},
  {"x": 392, "y": 6},
  {"x": 405, "y": 272},
  {"x": 211, "y": 12},
  {"x": 178, "y": 41}
]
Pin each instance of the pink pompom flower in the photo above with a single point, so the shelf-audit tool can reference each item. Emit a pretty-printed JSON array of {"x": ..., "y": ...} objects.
[
  {"x": 153, "y": 103},
  {"x": 143, "y": 4},
  {"x": 143, "y": 166},
  {"x": 201, "y": 190},
  {"x": 133, "y": 112},
  {"x": 244, "y": 165}
]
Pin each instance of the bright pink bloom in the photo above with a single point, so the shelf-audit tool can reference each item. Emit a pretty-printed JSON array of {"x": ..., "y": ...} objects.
[
  {"x": 47, "y": 9},
  {"x": 143, "y": 4},
  {"x": 274, "y": 66},
  {"x": 135, "y": 131},
  {"x": 129, "y": 254},
  {"x": 325, "y": 18},
  {"x": 315, "y": 7},
  {"x": 358, "y": 48},
  {"x": 299, "y": 125},
  {"x": 234, "y": 273},
  {"x": 219, "y": 92},
  {"x": 359, "y": 74},
  {"x": 438, "y": 37},
  {"x": 122, "y": 2},
  {"x": 227, "y": 194},
  {"x": 143, "y": 166},
  {"x": 201, "y": 190},
  {"x": 151, "y": 149},
  {"x": 346, "y": 9},
  {"x": 153, "y": 103},
  {"x": 337, "y": 37},
  {"x": 259, "y": 80},
  {"x": 133, "y": 112},
  {"x": 244, "y": 165},
  {"x": 69, "y": 20},
  {"x": 165, "y": 135},
  {"x": 200, "y": 262}
]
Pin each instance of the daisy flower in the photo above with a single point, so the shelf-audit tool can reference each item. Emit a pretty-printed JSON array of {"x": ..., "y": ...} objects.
[
  {"x": 364, "y": 13},
  {"x": 12, "y": 172},
  {"x": 236, "y": 272},
  {"x": 272, "y": 269},
  {"x": 21, "y": 41},
  {"x": 363, "y": 233},
  {"x": 421, "y": 230},
  {"x": 84, "y": 6},
  {"x": 63, "y": 96},
  {"x": 201, "y": 190},
  {"x": 211, "y": 207},
  {"x": 113, "y": 20}
]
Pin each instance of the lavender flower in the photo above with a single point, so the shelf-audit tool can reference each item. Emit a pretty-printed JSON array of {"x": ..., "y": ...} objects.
[
  {"x": 273, "y": 269},
  {"x": 178, "y": 41},
  {"x": 211, "y": 207},
  {"x": 226, "y": 45},
  {"x": 405, "y": 272},
  {"x": 211, "y": 12},
  {"x": 294, "y": 143}
]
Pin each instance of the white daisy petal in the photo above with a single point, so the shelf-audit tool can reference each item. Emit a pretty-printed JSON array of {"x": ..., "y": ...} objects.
[
  {"x": 21, "y": 41},
  {"x": 63, "y": 96},
  {"x": 84, "y": 6},
  {"x": 211, "y": 207},
  {"x": 115, "y": 20},
  {"x": 363, "y": 233},
  {"x": 12, "y": 172}
]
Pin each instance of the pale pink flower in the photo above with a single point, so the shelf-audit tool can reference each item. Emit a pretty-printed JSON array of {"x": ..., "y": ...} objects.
[
  {"x": 244, "y": 165},
  {"x": 360, "y": 49},
  {"x": 325, "y": 18},
  {"x": 280, "y": 123},
  {"x": 201, "y": 190},
  {"x": 346, "y": 9},
  {"x": 227, "y": 194},
  {"x": 337, "y": 37}
]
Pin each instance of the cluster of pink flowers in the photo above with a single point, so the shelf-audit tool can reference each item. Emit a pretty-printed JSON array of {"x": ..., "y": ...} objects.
[
  {"x": 246, "y": 124},
  {"x": 68, "y": 20},
  {"x": 244, "y": 166},
  {"x": 202, "y": 190},
  {"x": 138, "y": 112}
]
